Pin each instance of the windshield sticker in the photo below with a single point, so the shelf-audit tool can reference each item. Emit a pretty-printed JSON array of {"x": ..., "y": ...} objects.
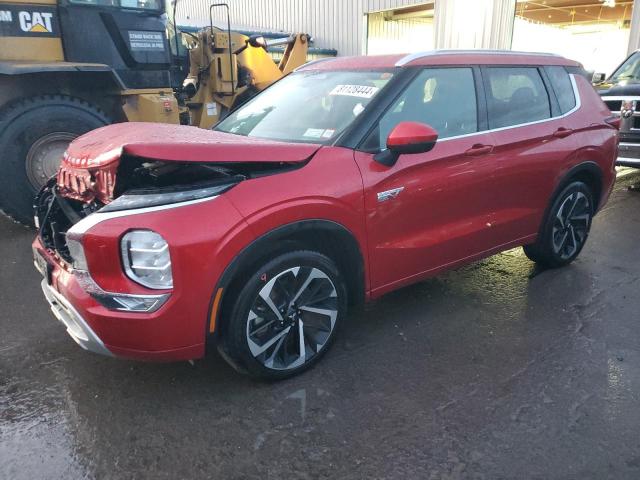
[
  {"x": 314, "y": 132},
  {"x": 328, "y": 133},
  {"x": 361, "y": 91},
  {"x": 358, "y": 109}
]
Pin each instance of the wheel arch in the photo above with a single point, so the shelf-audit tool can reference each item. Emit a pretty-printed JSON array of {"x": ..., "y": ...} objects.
[
  {"x": 324, "y": 236},
  {"x": 588, "y": 172}
]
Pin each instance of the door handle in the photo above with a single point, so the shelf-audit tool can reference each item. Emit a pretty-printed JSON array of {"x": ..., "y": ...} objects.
[
  {"x": 562, "y": 132},
  {"x": 479, "y": 149}
]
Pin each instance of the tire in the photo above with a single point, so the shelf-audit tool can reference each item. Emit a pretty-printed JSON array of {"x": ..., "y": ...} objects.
[
  {"x": 262, "y": 339},
  {"x": 33, "y": 133},
  {"x": 565, "y": 229}
]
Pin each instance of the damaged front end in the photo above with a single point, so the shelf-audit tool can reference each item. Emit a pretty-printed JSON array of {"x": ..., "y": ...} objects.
[{"x": 129, "y": 184}]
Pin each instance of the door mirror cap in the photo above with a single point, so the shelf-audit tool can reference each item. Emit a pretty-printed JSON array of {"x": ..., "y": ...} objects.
[
  {"x": 407, "y": 137},
  {"x": 598, "y": 78}
]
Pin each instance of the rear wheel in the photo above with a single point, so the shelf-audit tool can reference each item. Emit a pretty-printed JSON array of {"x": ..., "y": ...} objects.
[
  {"x": 34, "y": 134},
  {"x": 566, "y": 227},
  {"x": 285, "y": 317}
]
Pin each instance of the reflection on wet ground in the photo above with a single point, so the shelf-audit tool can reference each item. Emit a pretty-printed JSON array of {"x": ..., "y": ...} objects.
[{"x": 495, "y": 370}]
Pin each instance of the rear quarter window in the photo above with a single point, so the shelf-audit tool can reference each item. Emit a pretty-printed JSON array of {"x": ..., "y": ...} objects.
[{"x": 562, "y": 87}]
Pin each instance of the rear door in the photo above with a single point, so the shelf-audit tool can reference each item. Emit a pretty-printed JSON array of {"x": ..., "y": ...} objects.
[
  {"x": 430, "y": 209},
  {"x": 532, "y": 138}
]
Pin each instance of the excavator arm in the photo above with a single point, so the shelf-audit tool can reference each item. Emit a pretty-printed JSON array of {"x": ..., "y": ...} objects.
[{"x": 227, "y": 69}]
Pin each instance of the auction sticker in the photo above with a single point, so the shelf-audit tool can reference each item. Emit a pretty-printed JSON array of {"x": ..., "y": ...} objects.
[
  {"x": 313, "y": 132},
  {"x": 361, "y": 91}
]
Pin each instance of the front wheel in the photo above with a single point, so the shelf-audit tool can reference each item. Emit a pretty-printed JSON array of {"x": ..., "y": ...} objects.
[
  {"x": 285, "y": 317},
  {"x": 566, "y": 227}
]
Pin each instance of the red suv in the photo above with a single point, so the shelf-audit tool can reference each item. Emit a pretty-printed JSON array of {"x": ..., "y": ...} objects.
[{"x": 347, "y": 179}]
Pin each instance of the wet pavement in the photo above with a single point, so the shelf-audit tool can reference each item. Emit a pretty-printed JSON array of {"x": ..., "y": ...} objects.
[{"x": 495, "y": 370}]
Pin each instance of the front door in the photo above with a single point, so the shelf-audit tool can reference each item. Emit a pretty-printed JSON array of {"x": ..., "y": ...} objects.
[{"x": 432, "y": 209}]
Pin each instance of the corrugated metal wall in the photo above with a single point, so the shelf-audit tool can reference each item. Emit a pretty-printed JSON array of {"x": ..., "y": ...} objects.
[
  {"x": 393, "y": 36},
  {"x": 474, "y": 23},
  {"x": 325, "y": 20}
]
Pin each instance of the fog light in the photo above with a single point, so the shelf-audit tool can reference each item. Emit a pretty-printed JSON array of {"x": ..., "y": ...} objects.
[
  {"x": 120, "y": 301},
  {"x": 131, "y": 303},
  {"x": 146, "y": 259}
]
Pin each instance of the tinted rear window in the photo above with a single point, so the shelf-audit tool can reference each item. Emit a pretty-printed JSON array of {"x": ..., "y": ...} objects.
[
  {"x": 516, "y": 95},
  {"x": 563, "y": 88}
]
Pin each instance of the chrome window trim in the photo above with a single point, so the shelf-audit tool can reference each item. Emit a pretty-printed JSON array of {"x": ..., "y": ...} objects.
[
  {"x": 573, "y": 110},
  {"x": 92, "y": 220}
]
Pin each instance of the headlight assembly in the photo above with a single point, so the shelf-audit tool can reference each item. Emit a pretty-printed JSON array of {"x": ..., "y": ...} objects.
[
  {"x": 146, "y": 259},
  {"x": 154, "y": 197}
]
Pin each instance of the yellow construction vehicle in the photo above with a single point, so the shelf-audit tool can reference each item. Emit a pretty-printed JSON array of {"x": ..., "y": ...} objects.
[{"x": 70, "y": 66}]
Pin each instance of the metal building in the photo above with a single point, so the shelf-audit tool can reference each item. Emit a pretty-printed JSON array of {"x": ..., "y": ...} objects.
[
  {"x": 337, "y": 24},
  {"x": 597, "y": 33}
]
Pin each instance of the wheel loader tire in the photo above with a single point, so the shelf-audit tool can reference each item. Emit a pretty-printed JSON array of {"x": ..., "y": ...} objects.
[{"x": 34, "y": 133}]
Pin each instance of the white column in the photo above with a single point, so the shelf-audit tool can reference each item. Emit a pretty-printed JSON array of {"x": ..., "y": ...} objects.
[
  {"x": 468, "y": 24},
  {"x": 634, "y": 33}
]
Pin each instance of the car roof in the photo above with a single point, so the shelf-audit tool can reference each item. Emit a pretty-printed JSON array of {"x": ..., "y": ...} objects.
[{"x": 440, "y": 57}]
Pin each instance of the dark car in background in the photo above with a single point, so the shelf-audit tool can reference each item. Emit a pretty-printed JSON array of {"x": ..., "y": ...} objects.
[{"x": 621, "y": 93}]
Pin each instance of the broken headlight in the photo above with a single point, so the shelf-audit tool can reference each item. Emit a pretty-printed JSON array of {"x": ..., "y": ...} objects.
[{"x": 148, "y": 197}]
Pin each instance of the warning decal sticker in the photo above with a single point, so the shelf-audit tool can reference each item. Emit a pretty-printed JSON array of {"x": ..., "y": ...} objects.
[{"x": 142, "y": 41}]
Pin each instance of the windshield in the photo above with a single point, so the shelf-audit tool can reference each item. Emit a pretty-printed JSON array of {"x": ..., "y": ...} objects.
[
  {"x": 630, "y": 69},
  {"x": 310, "y": 107}
]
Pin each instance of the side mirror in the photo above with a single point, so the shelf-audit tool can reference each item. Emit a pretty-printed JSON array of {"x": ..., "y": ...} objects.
[
  {"x": 407, "y": 137},
  {"x": 598, "y": 78}
]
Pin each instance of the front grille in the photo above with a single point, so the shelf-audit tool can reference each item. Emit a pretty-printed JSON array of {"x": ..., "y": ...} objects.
[{"x": 614, "y": 105}]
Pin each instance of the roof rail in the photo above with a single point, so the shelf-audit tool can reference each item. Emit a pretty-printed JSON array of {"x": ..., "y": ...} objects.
[{"x": 429, "y": 53}]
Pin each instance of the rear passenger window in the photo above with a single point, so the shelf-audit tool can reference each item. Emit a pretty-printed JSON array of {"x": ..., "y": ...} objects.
[
  {"x": 444, "y": 98},
  {"x": 563, "y": 87},
  {"x": 515, "y": 96}
]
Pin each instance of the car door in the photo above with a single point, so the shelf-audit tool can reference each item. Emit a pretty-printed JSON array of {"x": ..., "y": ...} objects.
[
  {"x": 532, "y": 140},
  {"x": 429, "y": 210}
]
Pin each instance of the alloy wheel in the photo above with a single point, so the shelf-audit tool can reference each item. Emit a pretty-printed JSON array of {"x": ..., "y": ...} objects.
[
  {"x": 571, "y": 225},
  {"x": 292, "y": 318}
]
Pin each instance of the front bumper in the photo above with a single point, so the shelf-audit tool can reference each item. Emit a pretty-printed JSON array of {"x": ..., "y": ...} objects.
[
  {"x": 77, "y": 327},
  {"x": 177, "y": 330},
  {"x": 138, "y": 336}
]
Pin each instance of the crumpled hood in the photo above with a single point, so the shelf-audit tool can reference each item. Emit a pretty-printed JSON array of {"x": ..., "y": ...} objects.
[{"x": 157, "y": 141}]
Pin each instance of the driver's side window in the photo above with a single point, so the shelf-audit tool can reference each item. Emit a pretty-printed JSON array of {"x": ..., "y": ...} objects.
[{"x": 444, "y": 98}]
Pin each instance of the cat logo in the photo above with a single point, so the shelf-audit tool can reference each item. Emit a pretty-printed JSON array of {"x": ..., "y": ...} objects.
[{"x": 35, "y": 22}]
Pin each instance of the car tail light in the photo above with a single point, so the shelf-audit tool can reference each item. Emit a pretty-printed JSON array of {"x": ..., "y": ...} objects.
[{"x": 146, "y": 259}]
